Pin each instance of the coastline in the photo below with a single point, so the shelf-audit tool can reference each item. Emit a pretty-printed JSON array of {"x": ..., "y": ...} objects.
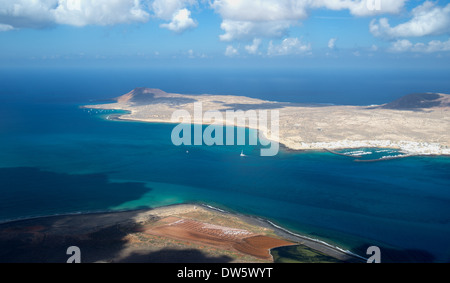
[
  {"x": 410, "y": 149},
  {"x": 313, "y": 243},
  {"x": 125, "y": 216},
  {"x": 304, "y": 128}
]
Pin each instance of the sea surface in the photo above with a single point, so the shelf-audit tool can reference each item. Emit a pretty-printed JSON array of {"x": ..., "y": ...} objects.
[{"x": 56, "y": 158}]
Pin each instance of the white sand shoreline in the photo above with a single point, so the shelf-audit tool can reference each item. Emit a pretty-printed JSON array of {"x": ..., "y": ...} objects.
[
  {"x": 303, "y": 128},
  {"x": 409, "y": 148}
]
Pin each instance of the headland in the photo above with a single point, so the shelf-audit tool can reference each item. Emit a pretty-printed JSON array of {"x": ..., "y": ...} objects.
[{"x": 186, "y": 233}]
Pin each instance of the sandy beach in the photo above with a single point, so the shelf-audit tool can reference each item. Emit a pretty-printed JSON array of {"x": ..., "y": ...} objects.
[
  {"x": 184, "y": 233},
  {"x": 309, "y": 127}
]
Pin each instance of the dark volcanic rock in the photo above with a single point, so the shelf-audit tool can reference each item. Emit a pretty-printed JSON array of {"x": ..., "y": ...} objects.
[
  {"x": 147, "y": 96},
  {"x": 416, "y": 101}
]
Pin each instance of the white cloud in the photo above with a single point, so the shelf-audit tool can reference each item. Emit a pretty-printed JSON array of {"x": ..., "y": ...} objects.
[
  {"x": 332, "y": 43},
  {"x": 253, "y": 49},
  {"x": 181, "y": 21},
  {"x": 26, "y": 13},
  {"x": 175, "y": 11},
  {"x": 99, "y": 12},
  {"x": 289, "y": 46},
  {"x": 258, "y": 18},
  {"x": 244, "y": 19},
  {"x": 435, "y": 46},
  {"x": 427, "y": 19},
  {"x": 361, "y": 8},
  {"x": 246, "y": 29},
  {"x": 260, "y": 10},
  {"x": 241, "y": 19},
  {"x": 166, "y": 9},
  {"x": 401, "y": 46},
  {"x": 231, "y": 51},
  {"x": 6, "y": 27},
  {"x": 42, "y": 13},
  {"x": 285, "y": 10},
  {"x": 404, "y": 45}
]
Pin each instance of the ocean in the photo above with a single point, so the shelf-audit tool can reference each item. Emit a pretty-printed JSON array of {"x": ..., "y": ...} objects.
[{"x": 56, "y": 158}]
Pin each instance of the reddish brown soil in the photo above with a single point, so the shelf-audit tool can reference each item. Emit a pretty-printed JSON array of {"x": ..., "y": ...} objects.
[{"x": 217, "y": 236}]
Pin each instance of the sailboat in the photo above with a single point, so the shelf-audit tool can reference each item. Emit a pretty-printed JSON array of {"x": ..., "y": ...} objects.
[{"x": 242, "y": 154}]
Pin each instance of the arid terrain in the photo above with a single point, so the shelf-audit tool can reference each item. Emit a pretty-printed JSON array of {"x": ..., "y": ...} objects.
[
  {"x": 178, "y": 233},
  {"x": 417, "y": 124}
]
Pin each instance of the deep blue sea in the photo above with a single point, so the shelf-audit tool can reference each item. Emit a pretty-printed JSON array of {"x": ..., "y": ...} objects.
[{"x": 56, "y": 158}]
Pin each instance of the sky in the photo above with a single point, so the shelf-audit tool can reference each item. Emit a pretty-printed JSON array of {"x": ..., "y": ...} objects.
[{"x": 362, "y": 33}]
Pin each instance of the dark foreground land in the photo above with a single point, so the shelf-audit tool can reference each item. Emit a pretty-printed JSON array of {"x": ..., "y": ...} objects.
[{"x": 175, "y": 234}]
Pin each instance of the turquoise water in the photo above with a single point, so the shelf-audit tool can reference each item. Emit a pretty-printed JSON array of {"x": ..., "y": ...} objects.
[{"x": 56, "y": 158}]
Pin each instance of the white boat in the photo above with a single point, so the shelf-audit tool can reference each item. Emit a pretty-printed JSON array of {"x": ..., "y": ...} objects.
[{"x": 242, "y": 154}]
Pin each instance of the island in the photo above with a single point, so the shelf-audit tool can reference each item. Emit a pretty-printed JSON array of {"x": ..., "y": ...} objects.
[
  {"x": 184, "y": 233},
  {"x": 416, "y": 124}
]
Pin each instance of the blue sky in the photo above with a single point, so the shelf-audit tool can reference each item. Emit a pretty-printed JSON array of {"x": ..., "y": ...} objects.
[{"x": 224, "y": 32}]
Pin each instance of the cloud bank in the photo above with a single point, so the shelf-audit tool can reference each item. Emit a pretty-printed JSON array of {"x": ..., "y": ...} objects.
[
  {"x": 427, "y": 19},
  {"x": 404, "y": 45},
  {"x": 247, "y": 19},
  {"x": 43, "y": 13},
  {"x": 289, "y": 46},
  {"x": 250, "y": 20},
  {"x": 244, "y": 19}
]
